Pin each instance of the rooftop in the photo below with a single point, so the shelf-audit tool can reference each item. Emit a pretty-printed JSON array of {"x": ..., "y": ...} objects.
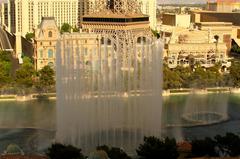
[{"x": 213, "y": 12}]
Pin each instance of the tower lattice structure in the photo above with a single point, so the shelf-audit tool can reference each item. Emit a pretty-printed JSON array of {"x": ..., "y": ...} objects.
[
  {"x": 118, "y": 21},
  {"x": 115, "y": 6}
]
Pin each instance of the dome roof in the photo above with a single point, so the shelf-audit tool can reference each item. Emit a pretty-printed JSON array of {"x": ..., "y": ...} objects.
[
  {"x": 98, "y": 155},
  {"x": 13, "y": 149}
]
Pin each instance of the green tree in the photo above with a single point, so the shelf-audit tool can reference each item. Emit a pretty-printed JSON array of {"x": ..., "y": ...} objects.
[
  {"x": 171, "y": 79},
  {"x": 184, "y": 74},
  {"x": 75, "y": 29},
  {"x": 234, "y": 48},
  {"x": 66, "y": 28},
  {"x": 235, "y": 73},
  {"x": 59, "y": 151},
  {"x": 5, "y": 56},
  {"x": 5, "y": 68},
  {"x": 199, "y": 78},
  {"x": 46, "y": 79},
  {"x": 5, "y": 77},
  {"x": 229, "y": 145},
  {"x": 114, "y": 152},
  {"x": 156, "y": 34},
  {"x": 25, "y": 74},
  {"x": 29, "y": 36},
  {"x": 156, "y": 148},
  {"x": 205, "y": 147}
]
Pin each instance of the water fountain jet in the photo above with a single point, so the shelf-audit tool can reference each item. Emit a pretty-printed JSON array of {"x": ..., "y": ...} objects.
[{"x": 101, "y": 104}]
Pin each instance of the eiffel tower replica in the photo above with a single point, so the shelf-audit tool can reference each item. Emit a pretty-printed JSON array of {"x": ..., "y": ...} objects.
[{"x": 118, "y": 21}]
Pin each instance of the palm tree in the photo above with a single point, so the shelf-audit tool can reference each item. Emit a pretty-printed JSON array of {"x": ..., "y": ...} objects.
[{"x": 216, "y": 37}]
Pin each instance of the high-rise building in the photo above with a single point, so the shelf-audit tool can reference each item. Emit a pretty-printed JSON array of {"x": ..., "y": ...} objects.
[
  {"x": 4, "y": 14},
  {"x": 149, "y": 8},
  {"x": 25, "y": 15},
  {"x": 11, "y": 16},
  {"x": 8, "y": 15}
]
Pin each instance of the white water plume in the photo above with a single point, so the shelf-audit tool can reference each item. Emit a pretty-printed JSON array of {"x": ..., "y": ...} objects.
[{"x": 113, "y": 99}]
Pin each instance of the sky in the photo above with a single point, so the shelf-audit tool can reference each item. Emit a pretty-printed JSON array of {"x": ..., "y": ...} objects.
[{"x": 182, "y": 1}]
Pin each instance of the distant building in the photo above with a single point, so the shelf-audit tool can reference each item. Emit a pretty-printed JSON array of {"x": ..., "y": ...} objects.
[
  {"x": 88, "y": 44},
  {"x": 224, "y": 5},
  {"x": 4, "y": 14},
  {"x": 207, "y": 44},
  {"x": 216, "y": 17},
  {"x": 8, "y": 15},
  {"x": 149, "y": 7},
  {"x": 25, "y": 15},
  {"x": 179, "y": 20},
  {"x": 46, "y": 36},
  {"x": 213, "y": 16}
]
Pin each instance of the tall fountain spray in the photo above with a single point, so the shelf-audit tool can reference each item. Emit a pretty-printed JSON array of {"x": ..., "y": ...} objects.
[
  {"x": 197, "y": 111},
  {"x": 108, "y": 94},
  {"x": 109, "y": 79}
]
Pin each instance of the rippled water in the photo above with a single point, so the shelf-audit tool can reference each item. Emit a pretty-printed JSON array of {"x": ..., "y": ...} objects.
[{"x": 31, "y": 124}]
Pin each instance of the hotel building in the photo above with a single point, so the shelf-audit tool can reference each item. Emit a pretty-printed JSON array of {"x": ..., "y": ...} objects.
[
  {"x": 46, "y": 37},
  {"x": 149, "y": 7},
  {"x": 25, "y": 15},
  {"x": 224, "y": 5}
]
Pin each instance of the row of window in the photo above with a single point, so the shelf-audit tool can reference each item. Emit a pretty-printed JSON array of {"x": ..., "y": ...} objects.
[{"x": 50, "y": 53}]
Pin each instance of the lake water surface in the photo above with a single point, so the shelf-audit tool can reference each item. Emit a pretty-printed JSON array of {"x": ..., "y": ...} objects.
[{"x": 31, "y": 125}]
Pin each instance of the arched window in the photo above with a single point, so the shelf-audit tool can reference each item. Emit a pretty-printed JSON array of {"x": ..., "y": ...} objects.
[
  {"x": 141, "y": 39},
  {"x": 50, "y": 53},
  {"x": 50, "y": 34}
]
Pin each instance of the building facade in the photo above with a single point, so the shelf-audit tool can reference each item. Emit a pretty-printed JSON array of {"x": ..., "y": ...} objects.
[
  {"x": 4, "y": 14},
  {"x": 179, "y": 20},
  {"x": 46, "y": 37},
  {"x": 213, "y": 17},
  {"x": 25, "y": 15},
  {"x": 224, "y": 5},
  {"x": 149, "y": 7},
  {"x": 206, "y": 44}
]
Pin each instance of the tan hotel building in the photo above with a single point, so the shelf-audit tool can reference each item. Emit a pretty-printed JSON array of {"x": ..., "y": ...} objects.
[{"x": 25, "y": 15}]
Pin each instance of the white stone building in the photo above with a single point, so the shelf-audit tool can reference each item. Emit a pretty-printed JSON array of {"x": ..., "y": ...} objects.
[{"x": 46, "y": 37}]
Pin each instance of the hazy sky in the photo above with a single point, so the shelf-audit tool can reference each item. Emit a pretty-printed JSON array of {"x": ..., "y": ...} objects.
[
  {"x": 170, "y": 1},
  {"x": 182, "y": 1}
]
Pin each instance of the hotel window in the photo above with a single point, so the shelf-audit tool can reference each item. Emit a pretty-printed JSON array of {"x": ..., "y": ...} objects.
[
  {"x": 50, "y": 53},
  {"x": 41, "y": 53}
]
